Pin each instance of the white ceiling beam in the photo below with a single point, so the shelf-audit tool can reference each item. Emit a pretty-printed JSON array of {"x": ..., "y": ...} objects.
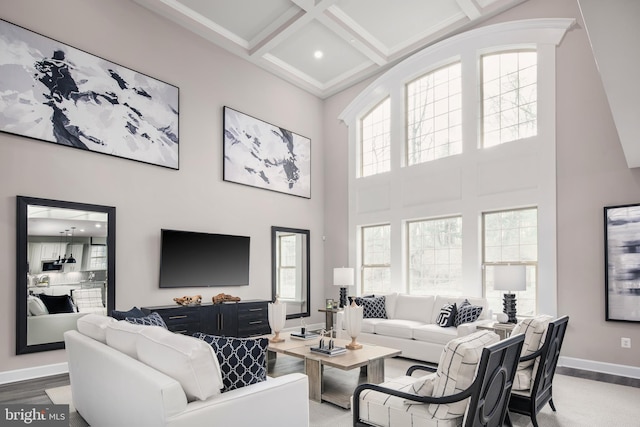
[{"x": 471, "y": 8}]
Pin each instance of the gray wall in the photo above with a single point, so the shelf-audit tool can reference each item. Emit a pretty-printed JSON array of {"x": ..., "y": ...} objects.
[
  {"x": 148, "y": 198},
  {"x": 591, "y": 173}
]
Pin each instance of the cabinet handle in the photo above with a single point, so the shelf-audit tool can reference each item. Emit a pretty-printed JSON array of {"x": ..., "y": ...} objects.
[
  {"x": 255, "y": 309},
  {"x": 183, "y": 316},
  {"x": 255, "y": 322}
]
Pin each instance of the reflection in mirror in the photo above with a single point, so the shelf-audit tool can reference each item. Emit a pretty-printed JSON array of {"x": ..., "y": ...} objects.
[
  {"x": 290, "y": 269},
  {"x": 65, "y": 268}
]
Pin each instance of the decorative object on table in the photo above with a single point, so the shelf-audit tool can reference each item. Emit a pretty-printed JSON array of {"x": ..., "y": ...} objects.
[
  {"x": 621, "y": 259},
  {"x": 327, "y": 347},
  {"x": 72, "y": 98},
  {"x": 303, "y": 334},
  {"x": 259, "y": 154},
  {"x": 502, "y": 317},
  {"x": 277, "y": 319},
  {"x": 329, "y": 303},
  {"x": 353, "y": 324},
  {"x": 190, "y": 301},
  {"x": 222, "y": 297},
  {"x": 343, "y": 277},
  {"x": 510, "y": 278}
]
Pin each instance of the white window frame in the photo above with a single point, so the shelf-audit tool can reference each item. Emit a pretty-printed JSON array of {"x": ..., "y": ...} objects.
[
  {"x": 364, "y": 266},
  {"x": 380, "y": 166}
]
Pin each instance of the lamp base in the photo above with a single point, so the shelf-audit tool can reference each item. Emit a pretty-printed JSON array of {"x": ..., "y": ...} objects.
[
  {"x": 509, "y": 307},
  {"x": 276, "y": 338},
  {"x": 343, "y": 297},
  {"x": 353, "y": 345}
]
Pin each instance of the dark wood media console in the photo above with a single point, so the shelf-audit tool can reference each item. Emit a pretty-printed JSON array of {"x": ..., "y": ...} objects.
[{"x": 232, "y": 319}]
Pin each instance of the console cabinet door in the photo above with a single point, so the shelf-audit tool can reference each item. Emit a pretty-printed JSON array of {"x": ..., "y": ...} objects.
[{"x": 219, "y": 319}]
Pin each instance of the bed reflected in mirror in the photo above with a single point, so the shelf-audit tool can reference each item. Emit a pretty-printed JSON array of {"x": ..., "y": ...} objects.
[
  {"x": 65, "y": 268},
  {"x": 290, "y": 269}
]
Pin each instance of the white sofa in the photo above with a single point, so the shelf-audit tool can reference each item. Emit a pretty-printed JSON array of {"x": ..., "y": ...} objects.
[
  {"x": 111, "y": 388},
  {"x": 411, "y": 326}
]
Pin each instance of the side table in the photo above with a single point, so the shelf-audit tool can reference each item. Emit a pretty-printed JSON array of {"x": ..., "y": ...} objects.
[
  {"x": 502, "y": 329},
  {"x": 329, "y": 316}
]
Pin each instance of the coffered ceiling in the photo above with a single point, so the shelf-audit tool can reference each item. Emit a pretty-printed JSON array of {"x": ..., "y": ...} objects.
[{"x": 325, "y": 46}]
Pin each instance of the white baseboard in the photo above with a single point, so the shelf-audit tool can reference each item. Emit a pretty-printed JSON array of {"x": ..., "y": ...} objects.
[
  {"x": 602, "y": 367},
  {"x": 31, "y": 373}
]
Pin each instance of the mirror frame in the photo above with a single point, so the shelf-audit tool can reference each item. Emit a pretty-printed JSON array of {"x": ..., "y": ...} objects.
[
  {"x": 274, "y": 267},
  {"x": 21, "y": 265}
]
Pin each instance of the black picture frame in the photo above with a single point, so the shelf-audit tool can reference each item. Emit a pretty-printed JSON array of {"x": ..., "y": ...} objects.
[
  {"x": 262, "y": 155},
  {"x": 69, "y": 97},
  {"x": 622, "y": 262}
]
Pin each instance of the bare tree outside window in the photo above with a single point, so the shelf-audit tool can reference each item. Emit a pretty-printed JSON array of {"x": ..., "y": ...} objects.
[
  {"x": 434, "y": 115},
  {"x": 375, "y": 149},
  {"x": 509, "y": 96}
]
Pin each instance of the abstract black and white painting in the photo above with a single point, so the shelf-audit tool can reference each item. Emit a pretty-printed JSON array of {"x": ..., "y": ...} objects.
[
  {"x": 56, "y": 93},
  {"x": 260, "y": 154},
  {"x": 622, "y": 262}
]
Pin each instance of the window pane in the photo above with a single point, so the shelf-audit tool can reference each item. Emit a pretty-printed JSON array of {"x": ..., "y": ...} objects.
[
  {"x": 511, "y": 237},
  {"x": 376, "y": 259},
  {"x": 433, "y": 115},
  {"x": 376, "y": 140},
  {"x": 509, "y": 97},
  {"x": 435, "y": 256}
]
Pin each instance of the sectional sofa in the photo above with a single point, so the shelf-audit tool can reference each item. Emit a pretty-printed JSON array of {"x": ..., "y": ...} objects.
[{"x": 408, "y": 323}]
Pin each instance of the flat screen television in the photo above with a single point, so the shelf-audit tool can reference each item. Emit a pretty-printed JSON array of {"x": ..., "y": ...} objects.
[{"x": 192, "y": 259}]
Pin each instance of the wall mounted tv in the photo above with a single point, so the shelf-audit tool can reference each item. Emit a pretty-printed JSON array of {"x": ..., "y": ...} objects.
[{"x": 191, "y": 259}]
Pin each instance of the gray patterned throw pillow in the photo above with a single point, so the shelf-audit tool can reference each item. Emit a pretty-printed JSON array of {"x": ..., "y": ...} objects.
[
  {"x": 372, "y": 308},
  {"x": 467, "y": 313},
  {"x": 152, "y": 319},
  {"x": 243, "y": 361}
]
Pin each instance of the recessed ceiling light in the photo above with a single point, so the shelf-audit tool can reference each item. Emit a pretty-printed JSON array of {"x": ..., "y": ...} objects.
[
  {"x": 318, "y": 54},
  {"x": 98, "y": 225}
]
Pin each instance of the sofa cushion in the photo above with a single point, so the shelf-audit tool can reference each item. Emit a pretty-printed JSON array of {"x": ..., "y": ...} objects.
[
  {"x": 414, "y": 307},
  {"x": 447, "y": 315},
  {"x": 390, "y": 304},
  {"x": 533, "y": 328},
  {"x": 94, "y": 326},
  {"x": 153, "y": 319},
  {"x": 122, "y": 336},
  {"x": 188, "y": 360},
  {"x": 369, "y": 325},
  {"x": 467, "y": 313},
  {"x": 372, "y": 308},
  {"x": 434, "y": 334},
  {"x": 121, "y": 315},
  {"x": 522, "y": 379},
  {"x": 397, "y": 328},
  {"x": 242, "y": 361},
  {"x": 456, "y": 371},
  {"x": 382, "y": 409},
  {"x": 36, "y": 307}
]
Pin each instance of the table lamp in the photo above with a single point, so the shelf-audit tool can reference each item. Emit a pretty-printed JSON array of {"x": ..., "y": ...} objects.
[
  {"x": 343, "y": 277},
  {"x": 510, "y": 278}
]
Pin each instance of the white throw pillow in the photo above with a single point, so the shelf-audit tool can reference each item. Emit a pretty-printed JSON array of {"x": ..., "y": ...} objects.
[
  {"x": 94, "y": 326},
  {"x": 123, "y": 336},
  {"x": 36, "y": 306},
  {"x": 188, "y": 360}
]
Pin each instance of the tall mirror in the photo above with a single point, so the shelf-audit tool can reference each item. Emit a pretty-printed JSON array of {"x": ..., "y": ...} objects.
[
  {"x": 290, "y": 270},
  {"x": 65, "y": 268}
]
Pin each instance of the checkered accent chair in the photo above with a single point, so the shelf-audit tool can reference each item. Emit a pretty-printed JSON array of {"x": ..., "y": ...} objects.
[
  {"x": 534, "y": 330},
  {"x": 455, "y": 373}
]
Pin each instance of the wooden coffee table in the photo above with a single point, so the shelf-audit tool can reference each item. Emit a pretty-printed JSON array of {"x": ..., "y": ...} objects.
[{"x": 369, "y": 357}]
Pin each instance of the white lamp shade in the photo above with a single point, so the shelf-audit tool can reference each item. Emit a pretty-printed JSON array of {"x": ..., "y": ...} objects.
[
  {"x": 353, "y": 320},
  {"x": 510, "y": 277},
  {"x": 343, "y": 277},
  {"x": 277, "y": 315}
]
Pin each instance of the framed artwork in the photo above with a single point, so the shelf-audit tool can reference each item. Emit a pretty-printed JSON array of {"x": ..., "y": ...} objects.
[
  {"x": 56, "y": 93},
  {"x": 263, "y": 155},
  {"x": 622, "y": 262}
]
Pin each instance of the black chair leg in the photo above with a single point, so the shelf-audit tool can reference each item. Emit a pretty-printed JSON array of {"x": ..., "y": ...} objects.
[
  {"x": 553, "y": 407},
  {"x": 507, "y": 420}
]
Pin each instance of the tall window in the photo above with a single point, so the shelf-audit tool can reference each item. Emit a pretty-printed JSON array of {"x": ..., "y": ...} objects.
[
  {"x": 511, "y": 237},
  {"x": 509, "y": 96},
  {"x": 435, "y": 256},
  {"x": 287, "y": 266},
  {"x": 375, "y": 149},
  {"x": 434, "y": 115},
  {"x": 376, "y": 258}
]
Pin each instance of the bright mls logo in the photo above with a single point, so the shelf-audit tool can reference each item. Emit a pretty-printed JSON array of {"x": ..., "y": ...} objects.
[{"x": 35, "y": 415}]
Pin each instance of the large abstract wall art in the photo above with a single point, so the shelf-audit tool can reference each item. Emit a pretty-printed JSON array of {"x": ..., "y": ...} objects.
[
  {"x": 56, "y": 93},
  {"x": 622, "y": 262},
  {"x": 262, "y": 155}
]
